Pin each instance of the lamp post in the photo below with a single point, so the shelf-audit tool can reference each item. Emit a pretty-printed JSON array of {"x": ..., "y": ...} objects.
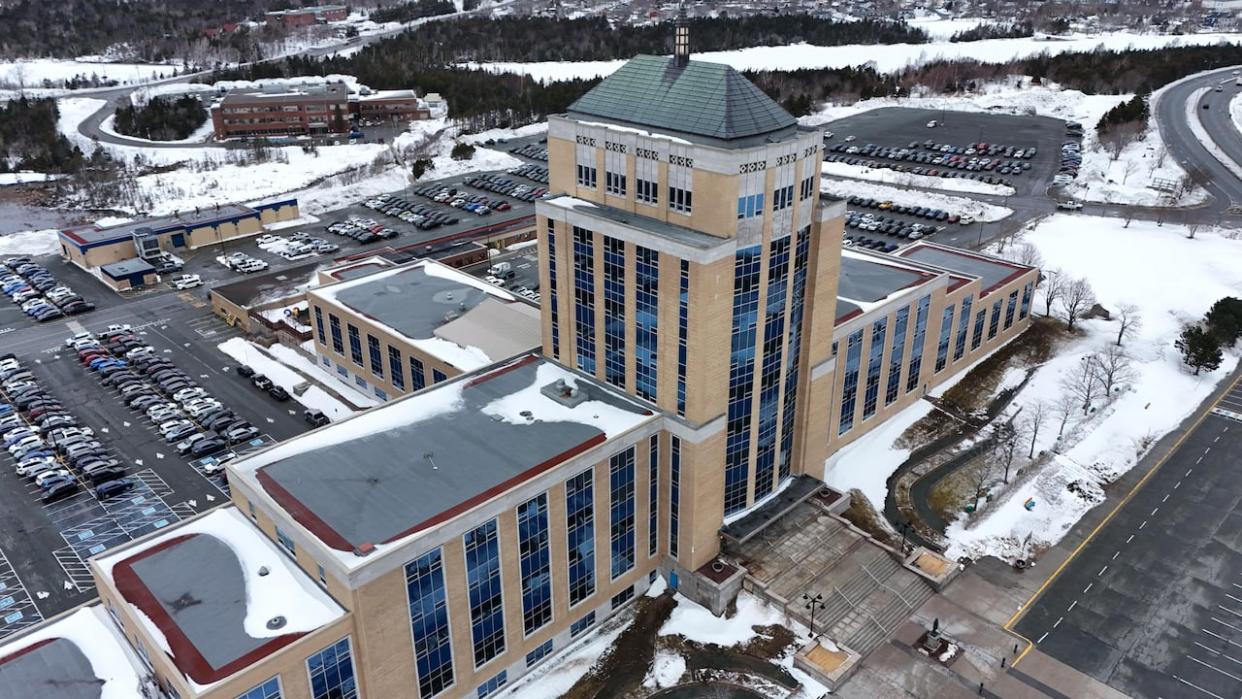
[
  {"x": 905, "y": 528},
  {"x": 813, "y": 603}
]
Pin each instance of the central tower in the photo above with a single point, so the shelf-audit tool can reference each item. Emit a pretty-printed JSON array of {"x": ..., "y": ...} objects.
[{"x": 682, "y": 262}]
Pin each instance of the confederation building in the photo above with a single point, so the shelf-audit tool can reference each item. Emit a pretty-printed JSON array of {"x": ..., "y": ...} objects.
[{"x": 706, "y": 341}]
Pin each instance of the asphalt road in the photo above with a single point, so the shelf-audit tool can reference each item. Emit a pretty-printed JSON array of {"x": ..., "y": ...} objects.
[
  {"x": 1152, "y": 605},
  {"x": 1170, "y": 114}
]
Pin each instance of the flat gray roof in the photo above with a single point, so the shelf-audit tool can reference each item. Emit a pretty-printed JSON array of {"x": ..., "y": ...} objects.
[
  {"x": 867, "y": 281},
  {"x": 54, "y": 670},
  {"x": 199, "y": 583},
  {"x": 991, "y": 272},
  {"x": 409, "y": 301},
  {"x": 125, "y": 268},
  {"x": 198, "y": 217},
  {"x": 500, "y": 329},
  {"x": 427, "y": 457}
]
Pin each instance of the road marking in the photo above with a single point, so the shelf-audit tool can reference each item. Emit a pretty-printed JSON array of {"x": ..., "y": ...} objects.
[
  {"x": 1087, "y": 589},
  {"x": 1130, "y": 538},
  {"x": 1225, "y": 623},
  {"x": 1207, "y": 449},
  {"x": 1216, "y": 635},
  {"x": 1058, "y": 622},
  {"x": 1072, "y": 605},
  {"x": 1116, "y": 554},
  {"x": 1041, "y": 638},
  {"x": 1213, "y": 667},
  {"x": 1201, "y": 689},
  {"x": 1154, "y": 511},
  {"x": 1198, "y": 460},
  {"x": 1101, "y": 571},
  {"x": 1189, "y": 471},
  {"x": 1144, "y": 524},
  {"x": 1165, "y": 499},
  {"x": 1227, "y": 609}
]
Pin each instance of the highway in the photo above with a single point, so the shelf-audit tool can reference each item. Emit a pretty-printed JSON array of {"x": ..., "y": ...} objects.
[{"x": 1170, "y": 114}]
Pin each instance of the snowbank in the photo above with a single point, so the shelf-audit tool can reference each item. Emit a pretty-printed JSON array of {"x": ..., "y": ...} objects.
[
  {"x": 954, "y": 205},
  {"x": 201, "y": 134},
  {"x": 1173, "y": 280},
  {"x": 1196, "y": 127},
  {"x": 315, "y": 398},
  {"x": 44, "y": 242},
  {"x": 529, "y": 404},
  {"x": 25, "y": 177},
  {"x": 291, "y": 358},
  {"x": 867, "y": 462},
  {"x": 905, "y": 179},
  {"x": 1235, "y": 111},
  {"x": 886, "y": 59}
]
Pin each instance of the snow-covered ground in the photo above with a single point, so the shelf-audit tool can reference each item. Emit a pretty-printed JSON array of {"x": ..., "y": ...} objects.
[
  {"x": 867, "y": 462},
  {"x": 1132, "y": 175},
  {"x": 1172, "y": 280},
  {"x": 259, "y": 359},
  {"x": 941, "y": 29},
  {"x": 556, "y": 676},
  {"x": 954, "y": 205},
  {"x": 291, "y": 358},
  {"x": 886, "y": 59},
  {"x": 906, "y": 179},
  {"x": 24, "y": 177},
  {"x": 54, "y": 72},
  {"x": 43, "y": 242}
]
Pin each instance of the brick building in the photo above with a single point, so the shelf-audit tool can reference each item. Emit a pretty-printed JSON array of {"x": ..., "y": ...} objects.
[
  {"x": 306, "y": 16},
  {"x": 282, "y": 111}
]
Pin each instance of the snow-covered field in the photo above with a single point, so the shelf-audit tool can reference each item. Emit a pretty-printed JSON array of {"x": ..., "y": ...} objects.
[
  {"x": 887, "y": 58},
  {"x": 1131, "y": 175},
  {"x": 258, "y": 358},
  {"x": 201, "y": 134},
  {"x": 43, "y": 242},
  {"x": 954, "y": 205},
  {"x": 33, "y": 72},
  {"x": 940, "y": 29},
  {"x": 906, "y": 179},
  {"x": 1172, "y": 280},
  {"x": 25, "y": 177}
]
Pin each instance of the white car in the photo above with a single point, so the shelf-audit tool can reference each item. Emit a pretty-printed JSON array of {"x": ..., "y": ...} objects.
[
  {"x": 49, "y": 475},
  {"x": 188, "y": 394},
  {"x": 966, "y": 220},
  {"x": 851, "y": 138},
  {"x": 37, "y": 466},
  {"x": 1069, "y": 205},
  {"x": 187, "y": 281},
  {"x": 119, "y": 328},
  {"x": 174, "y": 425},
  {"x": 80, "y": 337}
]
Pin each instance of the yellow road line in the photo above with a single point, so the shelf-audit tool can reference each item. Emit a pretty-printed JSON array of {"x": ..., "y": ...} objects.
[{"x": 1026, "y": 606}]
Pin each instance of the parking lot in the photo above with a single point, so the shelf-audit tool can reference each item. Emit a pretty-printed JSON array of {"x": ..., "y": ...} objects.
[
  {"x": 900, "y": 127},
  {"x": 42, "y": 547}
]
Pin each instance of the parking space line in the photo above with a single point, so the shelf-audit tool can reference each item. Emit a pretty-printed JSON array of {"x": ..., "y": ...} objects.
[{"x": 17, "y": 607}]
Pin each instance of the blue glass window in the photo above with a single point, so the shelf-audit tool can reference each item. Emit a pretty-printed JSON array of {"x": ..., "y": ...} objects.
[
  {"x": 418, "y": 380},
  {"x": 674, "y": 493},
  {"x": 396, "y": 369},
  {"x": 647, "y": 192},
  {"x": 996, "y": 314},
  {"x": 268, "y": 690},
  {"x": 976, "y": 337},
  {"x": 653, "y": 495},
  {"x": 849, "y": 392},
  {"x": 621, "y": 511},
  {"x": 433, "y": 651},
  {"x": 914, "y": 374},
  {"x": 584, "y": 298},
  {"x": 535, "y": 558},
  {"x": 1009, "y": 310},
  {"x": 285, "y": 541},
  {"x": 576, "y": 628},
  {"x": 683, "y": 323},
  {"x": 542, "y": 651},
  {"x": 377, "y": 359},
  {"x": 646, "y": 320},
  {"x": 323, "y": 340},
  {"x": 946, "y": 332},
  {"x": 875, "y": 365},
  {"x": 487, "y": 618},
  {"x": 619, "y": 599},
  {"x": 437, "y": 376},
  {"x": 1026, "y": 301},
  {"x": 552, "y": 304},
  {"x": 334, "y": 323},
  {"x": 580, "y": 536},
  {"x": 355, "y": 344},
  {"x": 332, "y": 672},
  {"x": 797, "y": 303},
  {"x": 963, "y": 326},
  {"x": 746, "y": 267},
  {"x": 614, "y": 311},
  {"x": 750, "y": 206},
  {"x": 896, "y": 355},
  {"x": 489, "y": 687},
  {"x": 770, "y": 371}
]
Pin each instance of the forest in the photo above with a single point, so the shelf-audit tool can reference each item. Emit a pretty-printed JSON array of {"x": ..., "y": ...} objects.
[
  {"x": 161, "y": 119},
  {"x": 29, "y": 139}
]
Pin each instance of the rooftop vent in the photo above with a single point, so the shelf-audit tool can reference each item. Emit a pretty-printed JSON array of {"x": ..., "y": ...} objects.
[
  {"x": 565, "y": 394},
  {"x": 276, "y": 622},
  {"x": 263, "y": 571}
]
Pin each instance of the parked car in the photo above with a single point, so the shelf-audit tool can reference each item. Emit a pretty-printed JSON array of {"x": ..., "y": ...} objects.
[
  {"x": 315, "y": 417},
  {"x": 60, "y": 491},
  {"x": 187, "y": 281},
  {"x": 113, "y": 488},
  {"x": 261, "y": 382}
]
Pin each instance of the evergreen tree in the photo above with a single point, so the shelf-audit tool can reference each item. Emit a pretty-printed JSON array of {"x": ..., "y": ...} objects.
[
  {"x": 1200, "y": 349},
  {"x": 1224, "y": 320}
]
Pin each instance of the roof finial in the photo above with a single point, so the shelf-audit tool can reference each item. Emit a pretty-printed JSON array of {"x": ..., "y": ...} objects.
[{"x": 681, "y": 37}]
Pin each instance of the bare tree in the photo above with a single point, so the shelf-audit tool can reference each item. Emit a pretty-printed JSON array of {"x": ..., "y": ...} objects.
[
  {"x": 1128, "y": 168},
  {"x": 1005, "y": 447},
  {"x": 1112, "y": 367},
  {"x": 1077, "y": 299},
  {"x": 1027, "y": 254},
  {"x": 1192, "y": 226},
  {"x": 1054, "y": 288},
  {"x": 1129, "y": 321},
  {"x": 1036, "y": 414},
  {"x": 1008, "y": 239},
  {"x": 983, "y": 473},
  {"x": 1127, "y": 214},
  {"x": 1161, "y": 153},
  {"x": 1084, "y": 382},
  {"x": 1064, "y": 408}
]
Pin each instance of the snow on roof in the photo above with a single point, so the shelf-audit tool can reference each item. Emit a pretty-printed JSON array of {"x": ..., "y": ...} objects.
[
  {"x": 415, "y": 300},
  {"x": 426, "y": 458},
  {"x": 571, "y": 202},
  {"x": 869, "y": 281},
  {"x": 633, "y": 130},
  {"x": 991, "y": 271},
  {"x": 60, "y": 658},
  {"x": 241, "y": 580}
]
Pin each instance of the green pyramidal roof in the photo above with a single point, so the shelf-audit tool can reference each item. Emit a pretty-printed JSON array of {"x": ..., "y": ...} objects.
[{"x": 711, "y": 100}]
